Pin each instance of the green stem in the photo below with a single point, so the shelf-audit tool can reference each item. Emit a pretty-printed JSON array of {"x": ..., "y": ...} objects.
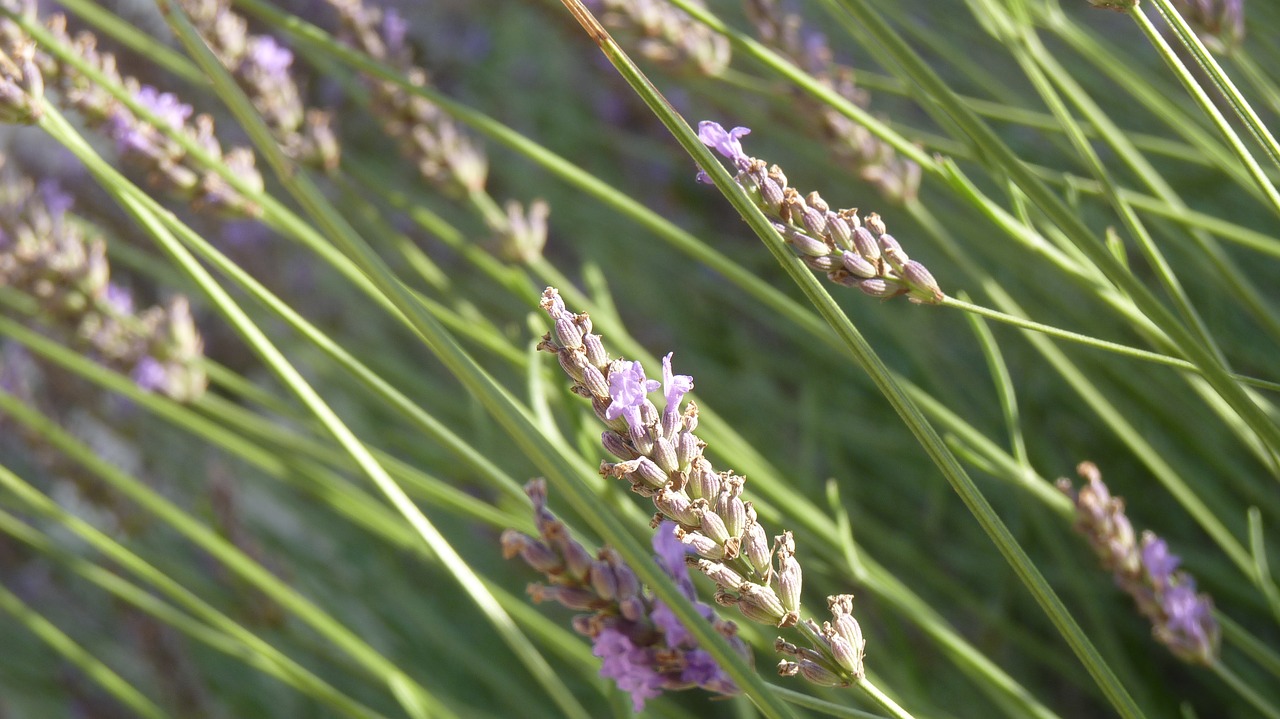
[{"x": 1119, "y": 349}]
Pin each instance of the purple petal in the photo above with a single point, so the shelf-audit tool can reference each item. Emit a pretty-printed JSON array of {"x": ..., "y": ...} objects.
[
  {"x": 1158, "y": 560},
  {"x": 727, "y": 143}
]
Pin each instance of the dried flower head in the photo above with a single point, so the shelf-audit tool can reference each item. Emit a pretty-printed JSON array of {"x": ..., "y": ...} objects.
[
  {"x": 446, "y": 156},
  {"x": 1182, "y": 620}
]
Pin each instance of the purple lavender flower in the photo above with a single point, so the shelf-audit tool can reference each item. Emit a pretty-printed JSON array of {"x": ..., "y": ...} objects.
[
  {"x": 133, "y": 135},
  {"x": 629, "y": 666},
  {"x": 118, "y": 299},
  {"x": 643, "y": 647},
  {"x": 674, "y": 386},
  {"x": 1189, "y": 616},
  {"x": 269, "y": 56},
  {"x": 628, "y": 387},
  {"x": 150, "y": 375},
  {"x": 727, "y": 143},
  {"x": 1158, "y": 560},
  {"x": 395, "y": 29}
]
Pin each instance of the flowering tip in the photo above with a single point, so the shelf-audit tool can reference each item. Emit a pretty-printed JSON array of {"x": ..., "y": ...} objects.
[{"x": 727, "y": 142}]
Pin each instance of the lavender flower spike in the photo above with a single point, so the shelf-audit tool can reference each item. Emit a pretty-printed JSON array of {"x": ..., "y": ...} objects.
[
  {"x": 1181, "y": 619},
  {"x": 643, "y": 648},
  {"x": 851, "y": 251},
  {"x": 702, "y": 509}
]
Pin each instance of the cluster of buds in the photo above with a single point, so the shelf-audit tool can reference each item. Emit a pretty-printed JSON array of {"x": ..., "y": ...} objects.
[
  {"x": 662, "y": 459},
  {"x": 260, "y": 65},
  {"x": 1220, "y": 23},
  {"x": 168, "y": 165},
  {"x": 21, "y": 82},
  {"x": 665, "y": 34},
  {"x": 897, "y": 178},
  {"x": 46, "y": 255},
  {"x": 642, "y": 644},
  {"x": 852, "y": 251},
  {"x": 445, "y": 155},
  {"x": 1182, "y": 620}
]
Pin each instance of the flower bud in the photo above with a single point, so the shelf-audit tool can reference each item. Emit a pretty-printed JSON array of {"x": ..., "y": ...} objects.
[
  {"x": 722, "y": 575},
  {"x": 568, "y": 332},
  {"x": 840, "y": 232},
  {"x": 760, "y": 604},
  {"x": 858, "y": 265},
  {"x": 875, "y": 224},
  {"x": 677, "y": 506},
  {"x": 865, "y": 243},
  {"x": 617, "y": 445},
  {"x": 789, "y": 574},
  {"x": 664, "y": 455},
  {"x": 923, "y": 288}
]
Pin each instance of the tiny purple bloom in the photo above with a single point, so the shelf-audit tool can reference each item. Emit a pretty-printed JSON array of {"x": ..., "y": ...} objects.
[
  {"x": 1187, "y": 614},
  {"x": 150, "y": 375},
  {"x": 55, "y": 199},
  {"x": 270, "y": 56},
  {"x": 1158, "y": 560},
  {"x": 674, "y": 386},
  {"x": 164, "y": 105},
  {"x": 130, "y": 133},
  {"x": 119, "y": 299},
  {"x": 628, "y": 387},
  {"x": 728, "y": 143},
  {"x": 670, "y": 550},
  {"x": 628, "y": 665},
  {"x": 395, "y": 29},
  {"x": 701, "y": 669}
]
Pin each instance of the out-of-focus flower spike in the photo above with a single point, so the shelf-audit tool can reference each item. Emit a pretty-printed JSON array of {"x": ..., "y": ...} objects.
[
  {"x": 66, "y": 272},
  {"x": 261, "y": 66},
  {"x": 896, "y": 177},
  {"x": 1181, "y": 619},
  {"x": 643, "y": 647},
  {"x": 665, "y": 34},
  {"x": 21, "y": 83}
]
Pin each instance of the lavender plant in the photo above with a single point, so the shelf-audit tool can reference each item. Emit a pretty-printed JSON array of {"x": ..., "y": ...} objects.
[
  {"x": 166, "y": 163},
  {"x": 324, "y": 529},
  {"x": 666, "y": 35},
  {"x": 897, "y": 178}
]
